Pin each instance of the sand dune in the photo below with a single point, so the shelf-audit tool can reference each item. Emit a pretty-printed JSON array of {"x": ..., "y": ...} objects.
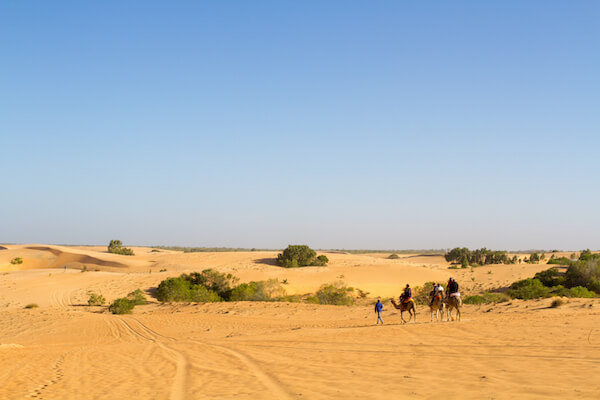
[{"x": 64, "y": 349}]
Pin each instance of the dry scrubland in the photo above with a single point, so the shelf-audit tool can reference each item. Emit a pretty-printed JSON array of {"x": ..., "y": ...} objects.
[{"x": 65, "y": 349}]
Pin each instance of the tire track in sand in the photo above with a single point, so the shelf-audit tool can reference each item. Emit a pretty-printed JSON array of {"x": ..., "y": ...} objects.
[
  {"x": 274, "y": 386},
  {"x": 145, "y": 334}
]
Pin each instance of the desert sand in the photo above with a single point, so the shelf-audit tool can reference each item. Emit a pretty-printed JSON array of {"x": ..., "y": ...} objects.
[{"x": 64, "y": 349}]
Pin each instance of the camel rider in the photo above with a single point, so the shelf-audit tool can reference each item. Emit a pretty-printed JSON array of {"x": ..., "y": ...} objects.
[
  {"x": 437, "y": 291},
  {"x": 406, "y": 295},
  {"x": 452, "y": 288}
]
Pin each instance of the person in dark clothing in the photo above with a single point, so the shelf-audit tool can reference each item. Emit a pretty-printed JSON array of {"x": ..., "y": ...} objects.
[
  {"x": 407, "y": 294},
  {"x": 452, "y": 287},
  {"x": 379, "y": 310}
]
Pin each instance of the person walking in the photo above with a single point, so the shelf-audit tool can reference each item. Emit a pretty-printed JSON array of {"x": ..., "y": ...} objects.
[{"x": 379, "y": 310}]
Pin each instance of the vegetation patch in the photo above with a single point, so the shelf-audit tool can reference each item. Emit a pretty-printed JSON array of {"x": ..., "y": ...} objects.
[
  {"x": 121, "y": 306},
  {"x": 269, "y": 290},
  {"x": 487, "y": 298},
  {"x": 116, "y": 247},
  {"x": 300, "y": 256},
  {"x": 96, "y": 299},
  {"x": 333, "y": 293},
  {"x": 557, "y": 303},
  {"x": 16, "y": 260},
  {"x": 137, "y": 297},
  {"x": 393, "y": 256},
  {"x": 466, "y": 257}
]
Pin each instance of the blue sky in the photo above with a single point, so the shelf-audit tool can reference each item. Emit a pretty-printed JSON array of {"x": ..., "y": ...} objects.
[{"x": 337, "y": 124}]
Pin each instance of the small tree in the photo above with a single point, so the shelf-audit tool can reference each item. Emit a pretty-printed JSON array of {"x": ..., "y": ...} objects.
[
  {"x": 116, "y": 247},
  {"x": 300, "y": 256}
]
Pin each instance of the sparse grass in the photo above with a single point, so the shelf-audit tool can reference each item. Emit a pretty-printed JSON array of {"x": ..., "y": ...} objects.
[
  {"x": 31, "y": 305},
  {"x": 137, "y": 297},
  {"x": 16, "y": 260},
  {"x": 96, "y": 299},
  {"x": 557, "y": 303}
]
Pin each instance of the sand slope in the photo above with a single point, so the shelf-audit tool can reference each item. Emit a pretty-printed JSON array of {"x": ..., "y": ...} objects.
[{"x": 65, "y": 349}]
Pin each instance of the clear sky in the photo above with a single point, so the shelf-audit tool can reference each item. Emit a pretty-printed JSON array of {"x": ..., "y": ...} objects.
[{"x": 337, "y": 124}]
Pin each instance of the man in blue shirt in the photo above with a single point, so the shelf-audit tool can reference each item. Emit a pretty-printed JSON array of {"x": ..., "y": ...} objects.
[{"x": 379, "y": 310}]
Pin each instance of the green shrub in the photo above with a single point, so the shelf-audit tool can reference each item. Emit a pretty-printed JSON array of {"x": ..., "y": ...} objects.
[
  {"x": 300, "y": 256},
  {"x": 268, "y": 290},
  {"x": 213, "y": 280},
  {"x": 335, "y": 293},
  {"x": 200, "y": 294},
  {"x": 550, "y": 277},
  {"x": 121, "y": 306},
  {"x": 182, "y": 289},
  {"x": 527, "y": 289},
  {"x": 116, "y": 247},
  {"x": 393, "y": 256},
  {"x": 31, "y": 305},
  {"x": 174, "y": 289},
  {"x": 584, "y": 273},
  {"x": 137, "y": 297},
  {"x": 559, "y": 260},
  {"x": 16, "y": 260},
  {"x": 321, "y": 261},
  {"x": 96, "y": 299},
  {"x": 486, "y": 298},
  {"x": 476, "y": 299}
]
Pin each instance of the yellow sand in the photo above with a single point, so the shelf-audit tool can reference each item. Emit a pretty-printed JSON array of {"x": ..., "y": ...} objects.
[{"x": 64, "y": 349}]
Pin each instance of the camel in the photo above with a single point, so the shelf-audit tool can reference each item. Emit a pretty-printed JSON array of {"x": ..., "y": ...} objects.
[
  {"x": 453, "y": 302},
  {"x": 410, "y": 307},
  {"x": 437, "y": 308}
]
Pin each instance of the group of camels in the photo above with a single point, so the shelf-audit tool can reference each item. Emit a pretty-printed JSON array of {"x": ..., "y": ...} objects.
[{"x": 437, "y": 308}]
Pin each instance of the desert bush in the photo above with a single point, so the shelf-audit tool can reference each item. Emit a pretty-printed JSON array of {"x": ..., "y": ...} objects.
[
  {"x": 393, "y": 256},
  {"x": 200, "y": 294},
  {"x": 137, "y": 297},
  {"x": 321, "y": 261},
  {"x": 587, "y": 255},
  {"x": 31, "y": 305},
  {"x": 550, "y": 277},
  {"x": 584, "y": 273},
  {"x": 96, "y": 299},
  {"x": 559, "y": 260},
  {"x": 174, "y": 289},
  {"x": 534, "y": 258},
  {"x": 213, "y": 280},
  {"x": 486, "y": 298},
  {"x": 300, "y": 256},
  {"x": 577, "y": 291},
  {"x": 116, "y": 247},
  {"x": 268, "y": 290},
  {"x": 527, "y": 289},
  {"x": 557, "y": 303},
  {"x": 121, "y": 306},
  {"x": 182, "y": 289},
  {"x": 335, "y": 293},
  {"x": 475, "y": 299},
  {"x": 16, "y": 260}
]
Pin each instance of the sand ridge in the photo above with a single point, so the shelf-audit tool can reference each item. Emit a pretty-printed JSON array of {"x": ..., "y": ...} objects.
[{"x": 65, "y": 349}]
